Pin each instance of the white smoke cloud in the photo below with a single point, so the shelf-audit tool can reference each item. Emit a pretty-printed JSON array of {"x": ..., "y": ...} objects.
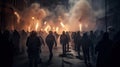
[{"x": 81, "y": 12}]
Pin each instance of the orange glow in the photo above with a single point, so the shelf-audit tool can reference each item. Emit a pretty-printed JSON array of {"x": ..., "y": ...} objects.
[
  {"x": 29, "y": 29},
  {"x": 57, "y": 29},
  {"x": 80, "y": 27},
  {"x": 47, "y": 28},
  {"x": 62, "y": 25},
  {"x": 33, "y": 18},
  {"x": 86, "y": 25},
  {"x": 36, "y": 27},
  {"x": 18, "y": 16},
  {"x": 41, "y": 29}
]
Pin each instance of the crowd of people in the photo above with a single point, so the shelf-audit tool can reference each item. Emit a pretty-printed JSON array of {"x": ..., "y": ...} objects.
[{"x": 95, "y": 46}]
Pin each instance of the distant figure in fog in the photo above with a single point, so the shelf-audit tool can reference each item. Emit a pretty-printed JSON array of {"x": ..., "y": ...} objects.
[
  {"x": 16, "y": 41},
  {"x": 6, "y": 50},
  {"x": 63, "y": 42},
  {"x": 50, "y": 41},
  {"x": 68, "y": 37},
  {"x": 75, "y": 41},
  {"x": 86, "y": 47},
  {"x": 78, "y": 43},
  {"x": 103, "y": 49},
  {"x": 56, "y": 36},
  {"x": 33, "y": 47},
  {"x": 92, "y": 46}
]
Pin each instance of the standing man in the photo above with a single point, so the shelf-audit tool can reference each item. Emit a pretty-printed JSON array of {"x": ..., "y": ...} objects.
[
  {"x": 78, "y": 43},
  {"x": 33, "y": 47},
  {"x": 104, "y": 50},
  {"x": 16, "y": 41},
  {"x": 86, "y": 47},
  {"x": 63, "y": 41},
  {"x": 92, "y": 47},
  {"x": 68, "y": 37},
  {"x": 50, "y": 41}
]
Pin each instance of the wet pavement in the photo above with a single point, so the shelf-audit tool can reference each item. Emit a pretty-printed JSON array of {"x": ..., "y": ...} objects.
[{"x": 21, "y": 60}]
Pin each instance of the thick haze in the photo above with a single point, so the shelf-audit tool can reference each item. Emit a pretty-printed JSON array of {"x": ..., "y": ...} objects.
[{"x": 82, "y": 12}]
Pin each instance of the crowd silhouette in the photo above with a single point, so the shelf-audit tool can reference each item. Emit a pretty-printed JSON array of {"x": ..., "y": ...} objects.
[{"x": 97, "y": 47}]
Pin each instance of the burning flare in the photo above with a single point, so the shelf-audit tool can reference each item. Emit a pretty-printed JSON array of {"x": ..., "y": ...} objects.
[
  {"x": 80, "y": 27},
  {"x": 62, "y": 25},
  {"x": 36, "y": 27},
  {"x": 18, "y": 16},
  {"x": 47, "y": 28},
  {"x": 57, "y": 29}
]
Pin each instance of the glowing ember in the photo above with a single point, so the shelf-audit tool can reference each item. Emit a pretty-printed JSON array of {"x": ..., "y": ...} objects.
[
  {"x": 80, "y": 27},
  {"x": 18, "y": 16}
]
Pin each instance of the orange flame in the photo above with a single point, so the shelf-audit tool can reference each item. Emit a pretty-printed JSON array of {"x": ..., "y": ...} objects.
[
  {"x": 36, "y": 27},
  {"x": 18, "y": 16},
  {"x": 80, "y": 27},
  {"x": 47, "y": 28},
  {"x": 62, "y": 25},
  {"x": 57, "y": 28}
]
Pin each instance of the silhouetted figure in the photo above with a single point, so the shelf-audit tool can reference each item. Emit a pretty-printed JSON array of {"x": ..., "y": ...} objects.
[
  {"x": 86, "y": 47},
  {"x": 114, "y": 55},
  {"x": 42, "y": 40},
  {"x": 78, "y": 43},
  {"x": 56, "y": 35},
  {"x": 63, "y": 42},
  {"x": 75, "y": 41},
  {"x": 68, "y": 37},
  {"x": 92, "y": 46},
  {"x": 16, "y": 41},
  {"x": 100, "y": 36},
  {"x": 6, "y": 50},
  {"x": 33, "y": 47},
  {"x": 103, "y": 49},
  {"x": 73, "y": 38},
  {"x": 23, "y": 40},
  {"x": 50, "y": 41}
]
